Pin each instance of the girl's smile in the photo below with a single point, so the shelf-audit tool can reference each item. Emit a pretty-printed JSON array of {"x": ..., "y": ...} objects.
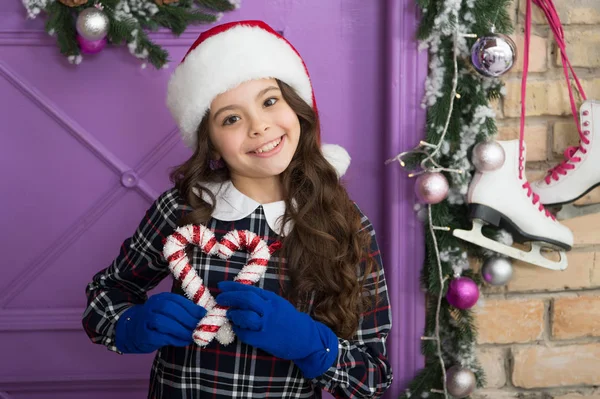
[{"x": 269, "y": 149}]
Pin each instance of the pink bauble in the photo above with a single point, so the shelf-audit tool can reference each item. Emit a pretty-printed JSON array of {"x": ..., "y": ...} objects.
[
  {"x": 90, "y": 46},
  {"x": 431, "y": 187},
  {"x": 463, "y": 293}
]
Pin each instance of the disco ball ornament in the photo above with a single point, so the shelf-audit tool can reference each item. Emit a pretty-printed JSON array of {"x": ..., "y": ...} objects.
[
  {"x": 431, "y": 187},
  {"x": 460, "y": 381},
  {"x": 92, "y": 24},
  {"x": 497, "y": 270},
  {"x": 488, "y": 156},
  {"x": 493, "y": 55},
  {"x": 463, "y": 293}
]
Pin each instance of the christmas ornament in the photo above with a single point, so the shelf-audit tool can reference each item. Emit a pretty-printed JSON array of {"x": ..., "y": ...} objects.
[
  {"x": 431, "y": 187},
  {"x": 90, "y": 46},
  {"x": 494, "y": 54},
  {"x": 504, "y": 198},
  {"x": 460, "y": 382},
  {"x": 462, "y": 293},
  {"x": 497, "y": 270},
  {"x": 214, "y": 324},
  {"x": 488, "y": 156},
  {"x": 92, "y": 24}
]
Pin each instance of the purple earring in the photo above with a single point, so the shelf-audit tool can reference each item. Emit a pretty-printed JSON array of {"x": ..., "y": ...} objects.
[{"x": 216, "y": 164}]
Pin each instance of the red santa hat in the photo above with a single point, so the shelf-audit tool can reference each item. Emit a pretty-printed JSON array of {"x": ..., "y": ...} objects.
[{"x": 227, "y": 55}]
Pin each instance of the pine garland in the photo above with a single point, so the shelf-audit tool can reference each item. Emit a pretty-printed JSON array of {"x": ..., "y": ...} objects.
[
  {"x": 472, "y": 120},
  {"x": 129, "y": 21}
]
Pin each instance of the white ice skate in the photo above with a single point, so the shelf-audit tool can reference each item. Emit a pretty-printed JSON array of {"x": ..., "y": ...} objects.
[
  {"x": 579, "y": 172},
  {"x": 503, "y": 199}
]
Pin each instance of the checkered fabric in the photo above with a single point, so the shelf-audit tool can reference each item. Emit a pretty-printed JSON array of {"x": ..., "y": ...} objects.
[{"x": 237, "y": 370}]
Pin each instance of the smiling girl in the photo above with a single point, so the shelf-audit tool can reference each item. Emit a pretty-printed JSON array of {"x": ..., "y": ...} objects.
[{"x": 319, "y": 317}]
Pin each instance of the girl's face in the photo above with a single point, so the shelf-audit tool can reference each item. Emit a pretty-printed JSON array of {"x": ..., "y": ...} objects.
[{"x": 254, "y": 130}]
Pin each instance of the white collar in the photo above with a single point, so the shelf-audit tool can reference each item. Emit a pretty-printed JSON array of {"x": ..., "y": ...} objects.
[{"x": 232, "y": 205}]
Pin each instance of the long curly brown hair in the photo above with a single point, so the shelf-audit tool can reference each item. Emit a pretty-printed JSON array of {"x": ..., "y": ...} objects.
[{"x": 326, "y": 251}]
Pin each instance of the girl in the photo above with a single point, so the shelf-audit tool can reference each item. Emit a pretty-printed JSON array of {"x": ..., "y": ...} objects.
[{"x": 320, "y": 316}]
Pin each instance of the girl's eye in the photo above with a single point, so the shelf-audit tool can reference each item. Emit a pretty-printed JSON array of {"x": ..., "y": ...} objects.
[
  {"x": 231, "y": 120},
  {"x": 270, "y": 102}
]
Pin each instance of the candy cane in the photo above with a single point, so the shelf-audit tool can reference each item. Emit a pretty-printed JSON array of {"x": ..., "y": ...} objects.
[{"x": 215, "y": 323}]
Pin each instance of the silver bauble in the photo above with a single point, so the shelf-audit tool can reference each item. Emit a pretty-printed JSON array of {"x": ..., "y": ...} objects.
[
  {"x": 460, "y": 382},
  {"x": 431, "y": 187},
  {"x": 497, "y": 270},
  {"x": 493, "y": 55},
  {"x": 488, "y": 156},
  {"x": 92, "y": 24}
]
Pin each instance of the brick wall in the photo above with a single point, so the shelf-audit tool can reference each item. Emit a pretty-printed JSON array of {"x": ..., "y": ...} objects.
[{"x": 539, "y": 337}]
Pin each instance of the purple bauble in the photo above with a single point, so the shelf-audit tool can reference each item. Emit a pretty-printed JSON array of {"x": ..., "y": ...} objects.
[
  {"x": 90, "y": 46},
  {"x": 463, "y": 293},
  {"x": 431, "y": 187}
]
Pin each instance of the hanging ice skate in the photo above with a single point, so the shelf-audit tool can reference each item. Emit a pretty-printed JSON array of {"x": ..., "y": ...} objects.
[
  {"x": 503, "y": 198},
  {"x": 579, "y": 172}
]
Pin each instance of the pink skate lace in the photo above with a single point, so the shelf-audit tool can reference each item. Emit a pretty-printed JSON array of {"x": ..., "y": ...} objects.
[
  {"x": 547, "y": 6},
  {"x": 535, "y": 200},
  {"x": 570, "y": 159}
]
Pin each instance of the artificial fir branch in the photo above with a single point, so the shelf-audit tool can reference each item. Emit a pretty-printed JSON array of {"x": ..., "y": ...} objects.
[
  {"x": 177, "y": 18},
  {"x": 120, "y": 30},
  {"x": 492, "y": 12},
  {"x": 218, "y": 5},
  {"x": 110, "y": 4},
  {"x": 60, "y": 23},
  {"x": 471, "y": 121},
  {"x": 127, "y": 21},
  {"x": 157, "y": 56}
]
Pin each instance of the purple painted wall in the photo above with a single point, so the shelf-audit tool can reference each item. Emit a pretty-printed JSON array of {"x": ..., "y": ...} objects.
[{"x": 79, "y": 167}]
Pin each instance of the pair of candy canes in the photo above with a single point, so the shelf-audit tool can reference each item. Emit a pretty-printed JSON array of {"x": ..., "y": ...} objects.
[{"x": 215, "y": 323}]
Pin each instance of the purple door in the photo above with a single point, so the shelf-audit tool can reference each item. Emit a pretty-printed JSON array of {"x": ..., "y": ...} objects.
[{"x": 79, "y": 167}]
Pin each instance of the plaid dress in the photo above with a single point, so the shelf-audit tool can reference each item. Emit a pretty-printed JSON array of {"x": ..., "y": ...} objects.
[{"x": 236, "y": 370}]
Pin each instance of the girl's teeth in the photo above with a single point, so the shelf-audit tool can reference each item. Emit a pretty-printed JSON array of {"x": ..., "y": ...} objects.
[{"x": 268, "y": 147}]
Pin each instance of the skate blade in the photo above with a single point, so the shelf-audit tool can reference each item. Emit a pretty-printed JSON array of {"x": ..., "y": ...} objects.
[{"x": 533, "y": 256}]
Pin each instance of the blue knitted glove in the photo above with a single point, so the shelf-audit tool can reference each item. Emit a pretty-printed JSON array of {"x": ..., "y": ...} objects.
[
  {"x": 164, "y": 319},
  {"x": 267, "y": 321}
]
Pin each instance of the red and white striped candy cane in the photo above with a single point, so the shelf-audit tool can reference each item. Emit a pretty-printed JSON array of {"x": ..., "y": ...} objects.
[
  {"x": 184, "y": 272},
  {"x": 214, "y": 324}
]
